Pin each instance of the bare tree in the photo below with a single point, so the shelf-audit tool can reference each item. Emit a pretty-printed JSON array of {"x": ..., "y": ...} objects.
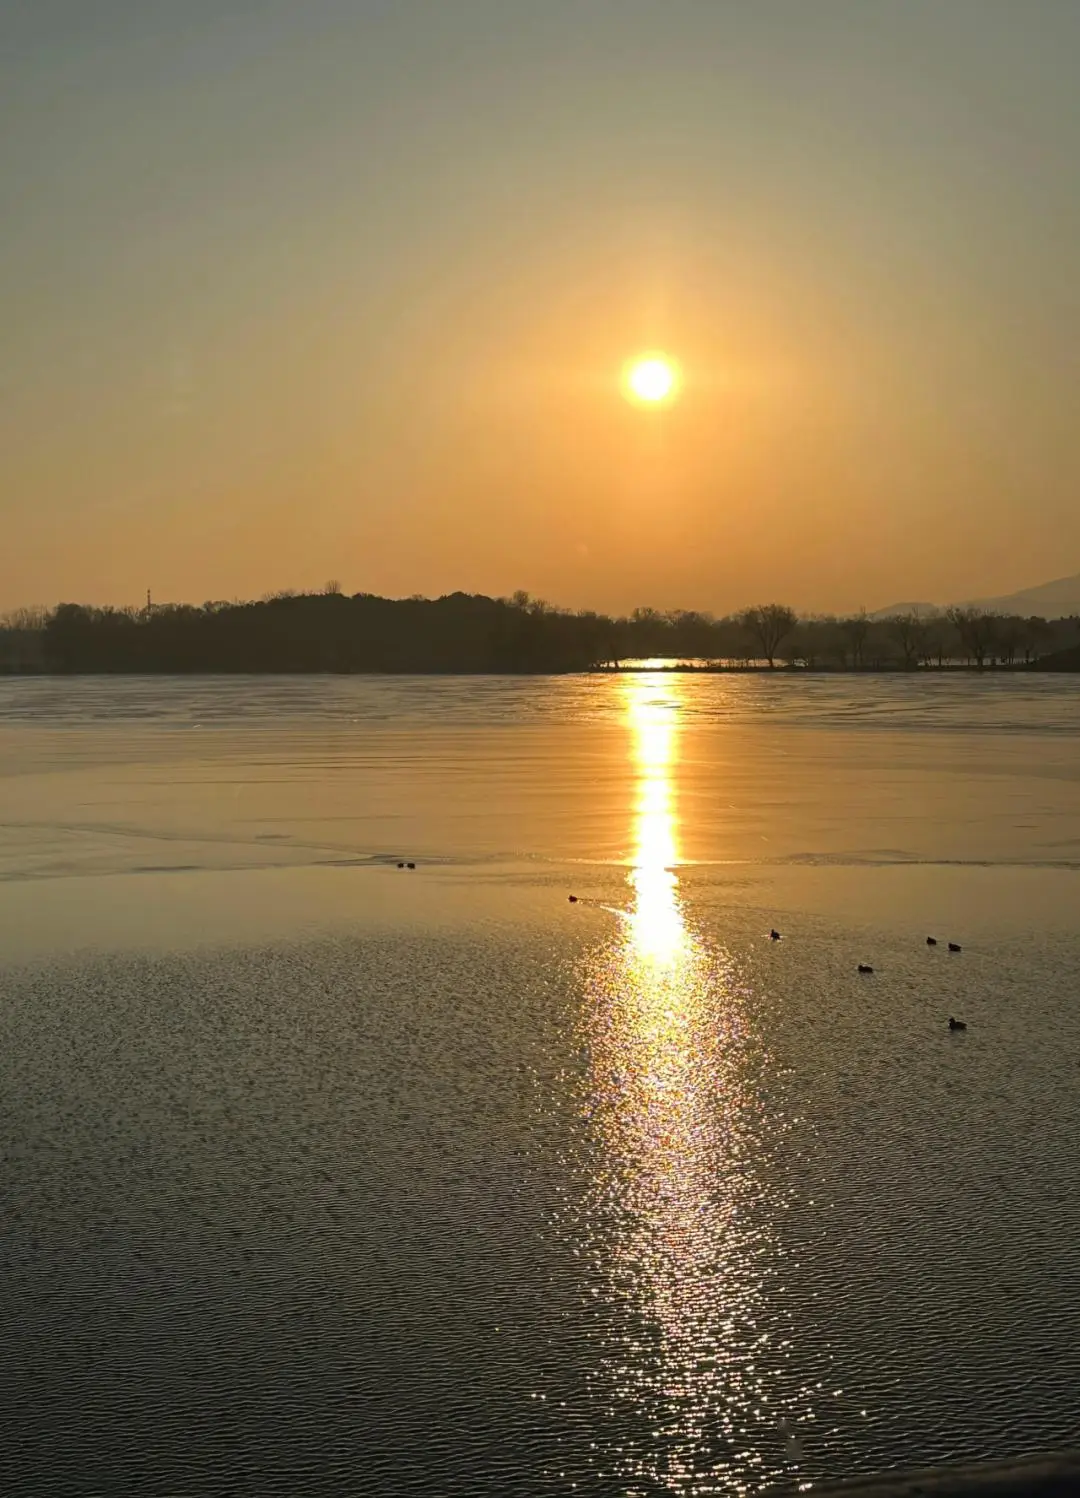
[
  {"x": 817, "y": 640},
  {"x": 32, "y": 617},
  {"x": 769, "y": 624},
  {"x": 978, "y": 631},
  {"x": 1013, "y": 634},
  {"x": 938, "y": 639},
  {"x": 855, "y": 629},
  {"x": 803, "y": 643},
  {"x": 1039, "y": 635},
  {"x": 909, "y": 632}
]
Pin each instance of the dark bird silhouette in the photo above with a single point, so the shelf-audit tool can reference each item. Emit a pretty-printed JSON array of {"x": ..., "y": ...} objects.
[
  {"x": 954, "y": 946},
  {"x": 401, "y": 865},
  {"x": 774, "y": 936},
  {"x": 410, "y": 866},
  {"x": 956, "y": 1024},
  {"x": 931, "y": 941},
  {"x": 864, "y": 967},
  {"x": 572, "y": 899}
]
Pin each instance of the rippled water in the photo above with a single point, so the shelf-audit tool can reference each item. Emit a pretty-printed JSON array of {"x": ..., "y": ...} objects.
[
  {"x": 322, "y": 1176},
  {"x": 940, "y": 700}
]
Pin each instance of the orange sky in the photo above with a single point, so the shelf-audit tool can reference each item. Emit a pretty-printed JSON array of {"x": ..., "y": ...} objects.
[{"x": 343, "y": 291}]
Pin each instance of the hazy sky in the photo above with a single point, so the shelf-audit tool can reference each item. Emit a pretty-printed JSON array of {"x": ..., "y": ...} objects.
[{"x": 295, "y": 290}]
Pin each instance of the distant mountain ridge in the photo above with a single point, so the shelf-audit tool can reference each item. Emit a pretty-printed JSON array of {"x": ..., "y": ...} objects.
[
  {"x": 1055, "y": 600},
  {"x": 905, "y": 608}
]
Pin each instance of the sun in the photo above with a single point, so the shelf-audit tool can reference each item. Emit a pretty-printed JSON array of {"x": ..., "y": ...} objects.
[{"x": 651, "y": 378}]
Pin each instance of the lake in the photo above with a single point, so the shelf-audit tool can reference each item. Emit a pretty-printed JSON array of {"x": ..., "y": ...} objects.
[{"x": 326, "y": 1176}]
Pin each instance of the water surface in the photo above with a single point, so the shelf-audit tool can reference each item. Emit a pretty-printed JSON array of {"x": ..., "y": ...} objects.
[{"x": 329, "y": 1177}]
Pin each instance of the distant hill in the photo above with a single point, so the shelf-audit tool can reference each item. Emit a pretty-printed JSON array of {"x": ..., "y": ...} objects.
[
  {"x": 905, "y": 608},
  {"x": 1056, "y": 600}
]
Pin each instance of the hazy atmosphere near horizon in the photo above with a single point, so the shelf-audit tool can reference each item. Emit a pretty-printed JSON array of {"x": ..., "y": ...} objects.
[
  {"x": 344, "y": 289},
  {"x": 530, "y": 965}
]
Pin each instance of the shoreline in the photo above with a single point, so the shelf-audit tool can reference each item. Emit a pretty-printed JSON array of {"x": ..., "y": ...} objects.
[{"x": 952, "y": 669}]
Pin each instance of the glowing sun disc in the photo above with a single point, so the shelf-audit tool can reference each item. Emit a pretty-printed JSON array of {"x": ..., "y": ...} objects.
[{"x": 652, "y": 378}]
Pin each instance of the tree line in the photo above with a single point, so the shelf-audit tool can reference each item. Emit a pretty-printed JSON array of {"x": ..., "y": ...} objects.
[{"x": 330, "y": 631}]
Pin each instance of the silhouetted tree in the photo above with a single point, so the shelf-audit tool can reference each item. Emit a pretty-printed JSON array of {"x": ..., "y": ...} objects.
[
  {"x": 1012, "y": 634},
  {"x": 27, "y": 618},
  {"x": 855, "y": 629},
  {"x": 977, "y": 630},
  {"x": 804, "y": 643},
  {"x": 460, "y": 632},
  {"x": 1039, "y": 634},
  {"x": 22, "y": 640},
  {"x": 768, "y": 624},
  {"x": 909, "y": 631}
]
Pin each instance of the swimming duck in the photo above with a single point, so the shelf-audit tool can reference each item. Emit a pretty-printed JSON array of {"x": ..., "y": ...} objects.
[
  {"x": 931, "y": 941},
  {"x": 774, "y": 936},
  {"x": 956, "y": 1024},
  {"x": 864, "y": 967},
  {"x": 572, "y": 899},
  {"x": 954, "y": 946}
]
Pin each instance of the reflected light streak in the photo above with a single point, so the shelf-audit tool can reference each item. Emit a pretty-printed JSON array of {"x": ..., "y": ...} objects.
[
  {"x": 659, "y": 935},
  {"x": 679, "y": 1123}
]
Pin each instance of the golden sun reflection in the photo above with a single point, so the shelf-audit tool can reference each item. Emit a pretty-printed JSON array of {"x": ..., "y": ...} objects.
[
  {"x": 673, "y": 1231},
  {"x": 656, "y": 922}
]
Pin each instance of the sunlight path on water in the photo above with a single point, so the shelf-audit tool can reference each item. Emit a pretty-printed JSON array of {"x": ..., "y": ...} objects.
[{"x": 677, "y": 1230}]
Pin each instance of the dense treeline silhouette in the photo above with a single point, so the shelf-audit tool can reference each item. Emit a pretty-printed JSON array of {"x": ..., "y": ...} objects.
[
  {"x": 325, "y": 632},
  {"x": 331, "y": 632}
]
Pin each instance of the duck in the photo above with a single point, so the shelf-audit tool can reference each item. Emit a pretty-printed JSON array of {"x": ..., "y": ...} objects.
[
  {"x": 774, "y": 936},
  {"x": 572, "y": 899},
  {"x": 410, "y": 866},
  {"x": 956, "y": 1024},
  {"x": 864, "y": 967},
  {"x": 401, "y": 865},
  {"x": 954, "y": 946},
  {"x": 931, "y": 941}
]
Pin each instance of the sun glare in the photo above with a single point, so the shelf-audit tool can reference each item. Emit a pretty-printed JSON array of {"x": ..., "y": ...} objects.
[{"x": 651, "y": 378}]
